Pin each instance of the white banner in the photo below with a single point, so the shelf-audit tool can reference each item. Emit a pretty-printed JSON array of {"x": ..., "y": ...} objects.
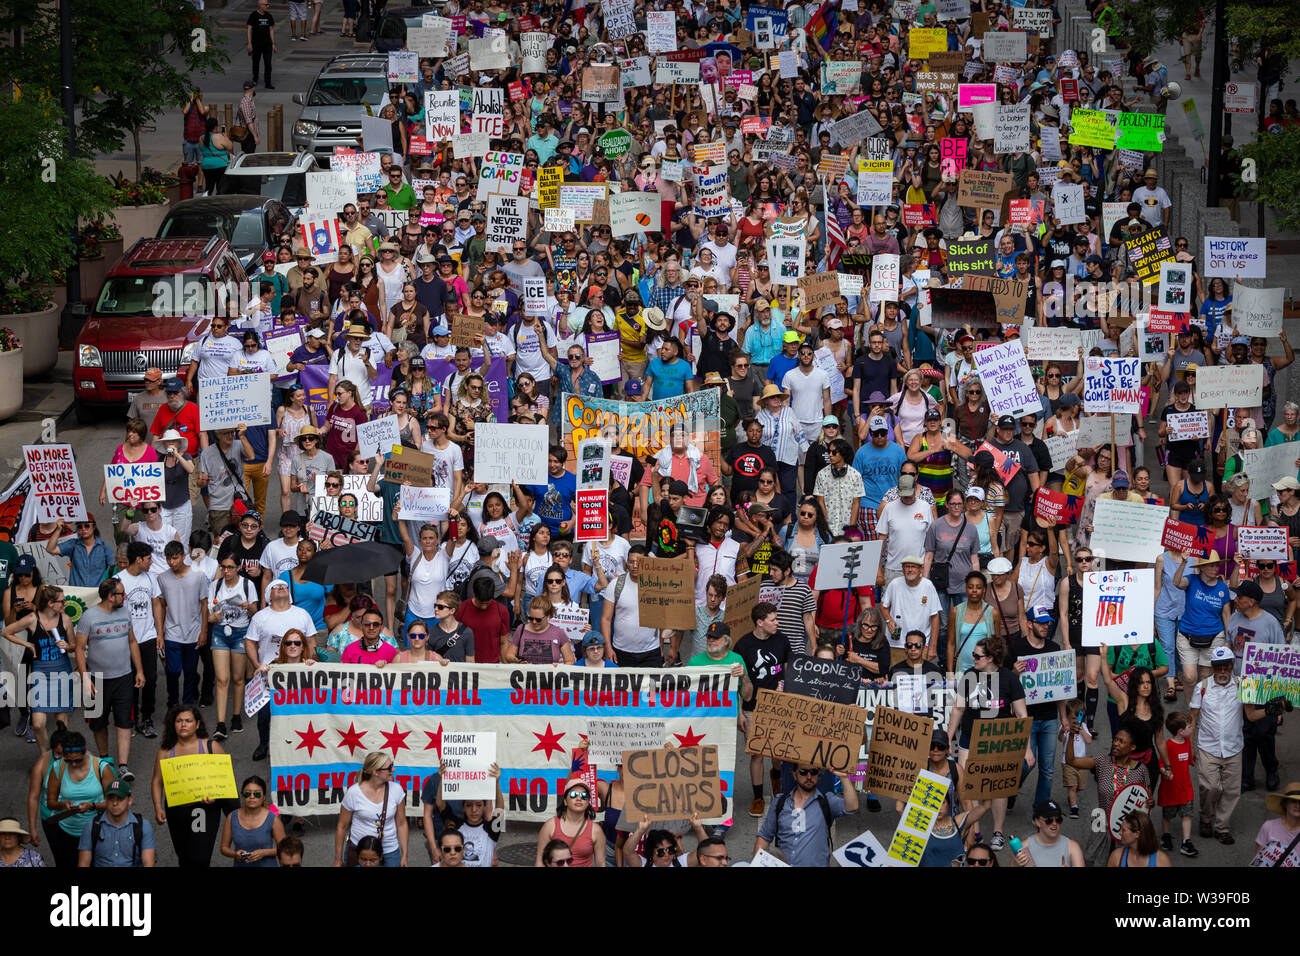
[
  {"x": 1119, "y": 606},
  {"x": 506, "y": 453}
]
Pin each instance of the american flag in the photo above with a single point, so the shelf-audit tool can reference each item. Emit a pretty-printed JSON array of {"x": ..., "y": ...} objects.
[{"x": 835, "y": 244}]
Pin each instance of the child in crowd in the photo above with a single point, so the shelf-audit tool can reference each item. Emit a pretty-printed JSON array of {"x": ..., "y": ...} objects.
[
  {"x": 1072, "y": 778},
  {"x": 1177, "y": 793}
]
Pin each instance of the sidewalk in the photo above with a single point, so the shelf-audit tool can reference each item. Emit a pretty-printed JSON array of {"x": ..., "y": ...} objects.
[{"x": 49, "y": 397}]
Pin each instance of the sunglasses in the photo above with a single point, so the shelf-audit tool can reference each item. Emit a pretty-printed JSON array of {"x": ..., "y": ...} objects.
[
  {"x": 251, "y": 793},
  {"x": 808, "y": 773},
  {"x": 567, "y": 861},
  {"x": 576, "y": 794},
  {"x": 976, "y": 655},
  {"x": 333, "y": 484},
  {"x": 293, "y": 643},
  {"x": 535, "y": 620},
  {"x": 150, "y": 511},
  {"x": 452, "y": 849},
  {"x": 979, "y": 861},
  {"x": 913, "y": 644},
  {"x": 664, "y": 851}
]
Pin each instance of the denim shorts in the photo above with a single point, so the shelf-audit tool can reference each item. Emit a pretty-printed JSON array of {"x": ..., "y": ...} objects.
[{"x": 234, "y": 643}]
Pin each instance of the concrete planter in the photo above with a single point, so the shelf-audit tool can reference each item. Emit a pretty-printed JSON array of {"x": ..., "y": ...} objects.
[
  {"x": 11, "y": 382},
  {"x": 173, "y": 194},
  {"x": 39, "y": 333},
  {"x": 92, "y": 276},
  {"x": 112, "y": 252},
  {"x": 138, "y": 222}
]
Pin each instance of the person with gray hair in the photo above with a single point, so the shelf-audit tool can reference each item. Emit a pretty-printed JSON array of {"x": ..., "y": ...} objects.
[{"x": 1245, "y": 511}]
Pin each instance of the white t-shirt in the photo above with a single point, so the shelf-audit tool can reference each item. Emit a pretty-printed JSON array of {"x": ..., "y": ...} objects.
[
  {"x": 528, "y": 353},
  {"x": 365, "y": 815},
  {"x": 613, "y": 557},
  {"x": 906, "y": 526},
  {"x": 231, "y": 601},
  {"x": 806, "y": 394},
  {"x": 723, "y": 255},
  {"x": 910, "y": 608},
  {"x": 213, "y": 355},
  {"x": 211, "y": 570},
  {"x": 268, "y": 626},
  {"x": 157, "y": 540},
  {"x": 720, "y": 559},
  {"x": 447, "y": 461},
  {"x": 140, "y": 589},
  {"x": 278, "y": 556},
  {"x": 498, "y": 344},
  {"x": 480, "y": 848},
  {"x": 352, "y": 367},
  {"x": 626, "y": 633},
  {"x": 434, "y": 352}
]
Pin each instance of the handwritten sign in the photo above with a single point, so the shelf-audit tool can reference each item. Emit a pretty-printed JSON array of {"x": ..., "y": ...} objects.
[
  {"x": 1008, "y": 383},
  {"x": 1128, "y": 530},
  {"x": 197, "y": 778},
  {"x": 900, "y": 746},
  {"x": 1112, "y": 384},
  {"x": 56, "y": 489},
  {"x": 607, "y": 738},
  {"x": 1185, "y": 426},
  {"x": 404, "y": 465},
  {"x": 1263, "y": 543},
  {"x": 815, "y": 733},
  {"x": 1118, "y": 606},
  {"x": 672, "y": 784},
  {"x": 666, "y": 591},
  {"x": 1257, "y": 312},
  {"x": 505, "y": 453},
  {"x": 1268, "y": 671},
  {"x": 1236, "y": 258},
  {"x": 997, "y": 749},
  {"x": 1044, "y": 344},
  {"x": 1229, "y": 386},
  {"x": 134, "y": 483},
  {"x": 424, "y": 504},
  {"x": 1265, "y": 465},
  {"x": 1049, "y": 677},
  {"x": 466, "y": 759},
  {"x": 823, "y": 679},
  {"x": 378, "y": 436},
  {"x": 235, "y": 400}
]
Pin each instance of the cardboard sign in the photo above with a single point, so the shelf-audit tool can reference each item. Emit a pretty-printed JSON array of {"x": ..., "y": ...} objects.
[
  {"x": 134, "y": 483},
  {"x": 740, "y": 601},
  {"x": 1118, "y": 606},
  {"x": 666, "y": 590},
  {"x": 1241, "y": 258},
  {"x": 997, "y": 750},
  {"x": 1263, "y": 543},
  {"x": 1257, "y": 312},
  {"x": 820, "y": 290},
  {"x": 56, "y": 489},
  {"x": 1185, "y": 426},
  {"x": 1128, "y": 530},
  {"x": 900, "y": 747},
  {"x": 608, "y": 738},
  {"x": 1181, "y": 536},
  {"x": 196, "y": 778},
  {"x": 466, "y": 759},
  {"x": 672, "y": 784},
  {"x": 506, "y": 453},
  {"x": 412, "y": 467},
  {"x": 981, "y": 189},
  {"x": 1049, "y": 677},
  {"x": 1008, "y": 383},
  {"x": 814, "y": 733},
  {"x": 1229, "y": 386},
  {"x": 1268, "y": 671},
  {"x": 234, "y": 400},
  {"x": 823, "y": 679}
]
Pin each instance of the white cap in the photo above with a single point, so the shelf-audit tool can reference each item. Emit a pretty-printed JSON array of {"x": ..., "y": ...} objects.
[
  {"x": 1220, "y": 654},
  {"x": 878, "y": 423},
  {"x": 172, "y": 434},
  {"x": 316, "y": 334},
  {"x": 976, "y": 492}
]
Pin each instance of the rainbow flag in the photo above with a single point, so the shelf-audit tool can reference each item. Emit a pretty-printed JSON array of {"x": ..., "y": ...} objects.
[{"x": 821, "y": 26}]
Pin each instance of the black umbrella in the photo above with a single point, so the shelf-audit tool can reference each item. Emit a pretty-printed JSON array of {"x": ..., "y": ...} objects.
[{"x": 352, "y": 563}]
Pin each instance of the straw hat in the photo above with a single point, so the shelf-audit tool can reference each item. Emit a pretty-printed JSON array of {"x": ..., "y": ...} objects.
[
  {"x": 654, "y": 319},
  {"x": 308, "y": 431},
  {"x": 10, "y": 825},
  {"x": 356, "y": 331},
  {"x": 1273, "y": 801},
  {"x": 1211, "y": 558},
  {"x": 771, "y": 390}
]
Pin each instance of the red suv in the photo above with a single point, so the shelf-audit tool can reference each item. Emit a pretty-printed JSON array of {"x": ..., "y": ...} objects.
[{"x": 154, "y": 305}]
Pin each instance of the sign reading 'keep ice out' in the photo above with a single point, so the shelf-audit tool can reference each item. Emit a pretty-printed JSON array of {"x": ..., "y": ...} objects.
[{"x": 1007, "y": 380}]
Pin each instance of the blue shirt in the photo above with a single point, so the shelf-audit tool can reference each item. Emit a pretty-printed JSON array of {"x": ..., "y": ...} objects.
[
  {"x": 669, "y": 377},
  {"x": 780, "y": 364},
  {"x": 580, "y": 582},
  {"x": 553, "y": 502},
  {"x": 88, "y": 567},
  {"x": 309, "y": 596},
  {"x": 1203, "y": 611},
  {"x": 879, "y": 468},
  {"x": 802, "y": 833},
  {"x": 116, "y": 845}
]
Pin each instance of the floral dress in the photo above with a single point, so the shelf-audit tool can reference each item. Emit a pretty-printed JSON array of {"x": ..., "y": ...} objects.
[{"x": 466, "y": 416}]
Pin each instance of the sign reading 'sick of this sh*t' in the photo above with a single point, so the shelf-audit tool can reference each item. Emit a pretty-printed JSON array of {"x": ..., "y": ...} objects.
[
  {"x": 55, "y": 485},
  {"x": 1007, "y": 380},
  {"x": 1118, "y": 607}
]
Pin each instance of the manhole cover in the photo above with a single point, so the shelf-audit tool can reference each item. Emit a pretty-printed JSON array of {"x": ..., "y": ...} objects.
[{"x": 518, "y": 854}]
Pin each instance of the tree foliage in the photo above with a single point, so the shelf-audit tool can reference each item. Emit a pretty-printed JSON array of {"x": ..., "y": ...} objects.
[{"x": 1277, "y": 174}]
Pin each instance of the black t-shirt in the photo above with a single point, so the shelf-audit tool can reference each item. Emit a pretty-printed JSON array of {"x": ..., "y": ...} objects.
[
  {"x": 873, "y": 376},
  {"x": 1018, "y": 487},
  {"x": 1038, "y": 448},
  {"x": 765, "y": 661},
  {"x": 984, "y": 692},
  {"x": 746, "y": 462},
  {"x": 1019, "y": 647},
  {"x": 1180, "y": 452},
  {"x": 454, "y": 646},
  {"x": 248, "y": 559},
  {"x": 261, "y": 24},
  {"x": 818, "y": 457}
]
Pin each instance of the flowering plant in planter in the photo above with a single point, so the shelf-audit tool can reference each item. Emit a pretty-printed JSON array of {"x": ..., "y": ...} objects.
[
  {"x": 91, "y": 239},
  {"x": 156, "y": 177},
  {"x": 128, "y": 193},
  {"x": 23, "y": 298},
  {"x": 8, "y": 341}
]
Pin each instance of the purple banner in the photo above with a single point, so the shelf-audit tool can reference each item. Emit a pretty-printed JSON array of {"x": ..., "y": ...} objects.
[
  {"x": 315, "y": 379},
  {"x": 495, "y": 378}
]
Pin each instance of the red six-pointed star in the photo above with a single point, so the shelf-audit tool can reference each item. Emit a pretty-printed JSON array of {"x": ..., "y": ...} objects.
[
  {"x": 352, "y": 738},
  {"x": 548, "y": 741},
  {"x": 435, "y": 740},
  {"x": 311, "y": 739},
  {"x": 395, "y": 740},
  {"x": 690, "y": 738}
]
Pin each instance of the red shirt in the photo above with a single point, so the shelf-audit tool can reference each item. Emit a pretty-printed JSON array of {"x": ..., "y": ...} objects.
[
  {"x": 354, "y": 653},
  {"x": 830, "y": 606},
  {"x": 1176, "y": 792},
  {"x": 488, "y": 625},
  {"x": 186, "y": 421}
]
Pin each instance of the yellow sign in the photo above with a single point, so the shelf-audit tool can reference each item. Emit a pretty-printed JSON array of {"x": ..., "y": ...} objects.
[
  {"x": 1091, "y": 128},
  {"x": 926, "y": 40},
  {"x": 549, "y": 179},
  {"x": 198, "y": 777}
]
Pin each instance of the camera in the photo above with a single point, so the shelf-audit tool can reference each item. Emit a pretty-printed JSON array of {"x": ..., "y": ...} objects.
[{"x": 1278, "y": 706}]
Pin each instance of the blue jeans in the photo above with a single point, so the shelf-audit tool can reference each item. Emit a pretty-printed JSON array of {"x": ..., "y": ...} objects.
[
  {"x": 1042, "y": 743},
  {"x": 393, "y": 858},
  {"x": 1167, "y": 634},
  {"x": 182, "y": 658}
]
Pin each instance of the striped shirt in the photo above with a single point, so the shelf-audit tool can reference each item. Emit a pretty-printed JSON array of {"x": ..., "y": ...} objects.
[{"x": 796, "y": 601}]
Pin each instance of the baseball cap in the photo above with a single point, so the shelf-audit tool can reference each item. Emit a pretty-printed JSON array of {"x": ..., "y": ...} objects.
[
  {"x": 1221, "y": 655},
  {"x": 999, "y": 566},
  {"x": 934, "y": 415},
  {"x": 487, "y": 544},
  {"x": 1069, "y": 399},
  {"x": 592, "y": 639},
  {"x": 1058, "y": 263},
  {"x": 174, "y": 385},
  {"x": 153, "y": 375},
  {"x": 25, "y": 564},
  {"x": 911, "y": 558},
  {"x": 830, "y": 420},
  {"x": 791, "y": 336},
  {"x": 878, "y": 424},
  {"x": 1119, "y": 479},
  {"x": 976, "y": 492},
  {"x": 718, "y": 629},
  {"x": 316, "y": 334},
  {"x": 118, "y": 788},
  {"x": 939, "y": 738},
  {"x": 1047, "y": 808},
  {"x": 632, "y": 387},
  {"x": 835, "y": 324},
  {"x": 268, "y": 256},
  {"x": 441, "y": 329},
  {"x": 1098, "y": 260},
  {"x": 906, "y": 484},
  {"x": 1285, "y": 483},
  {"x": 1006, "y": 421},
  {"x": 1041, "y": 615}
]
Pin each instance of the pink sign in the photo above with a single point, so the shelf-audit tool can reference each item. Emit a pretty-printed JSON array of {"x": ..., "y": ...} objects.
[
  {"x": 952, "y": 156},
  {"x": 973, "y": 94}
]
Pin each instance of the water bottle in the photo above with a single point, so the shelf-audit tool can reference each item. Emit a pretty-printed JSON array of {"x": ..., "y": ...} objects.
[{"x": 1015, "y": 844}]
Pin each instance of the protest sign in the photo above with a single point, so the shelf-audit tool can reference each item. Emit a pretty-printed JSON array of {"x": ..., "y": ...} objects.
[
  {"x": 1005, "y": 465},
  {"x": 467, "y": 330},
  {"x": 981, "y": 189},
  {"x": 785, "y": 254},
  {"x": 864, "y": 850},
  {"x": 907, "y": 845},
  {"x": 549, "y": 180},
  {"x": 1146, "y": 252},
  {"x": 854, "y": 129},
  {"x": 489, "y": 53},
  {"x": 133, "y": 483},
  {"x": 823, "y": 679},
  {"x": 1175, "y": 291},
  {"x": 1008, "y": 383},
  {"x": 591, "y": 514},
  {"x": 636, "y": 72},
  {"x": 282, "y": 343},
  {"x": 971, "y": 256},
  {"x": 403, "y": 67},
  {"x": 884, "y": 277},
  {"x": 499, "y": 173},
  {"x": 661, "y": 31},
  {"x": 507, "y": 219},
  {"x": 378, "y": 436},
  {"x": 1165, "y": 322},
  {"x": 1241, "y": 258},
  {"x": 234, "y": 400},
  {"x": 329, "y": 192},
  {"x": 1118, "y": 606},
  {"x": 467, "y": 757},
  {"x": 1067, "y": 200},
  {"x": 997, "y": 749},
  {"x": 555, "y": 220},
  {"x": 1257, "y": 312},
  {"x": 603, "y": 350},
  {"x": 256, "y": 694},
  {"x": 1049, "y": 677},
  {"x": 1093, "y": 128},
  {"x": 666, "y": 589},
  {"x": 1095, "y": 430},
  {"x": 601, "y": 83},
  {"x": 197, "y": 778},
  {"x": 1055, "y": 507},
  {"x": 533, "y": 47},
  {"x": 671, "y": 784},
  {"x": 1265, "y": 465},
  {"x": 1005, "y": 47},
  {"x": 55, "y": 487},
  {"x": 331, "y": 714},
  {"x": 840, "y": 77},
  {"x": 952, "y": 156},
  {"x": 488, "y": 111},
  {"x": 594, "y": 459},
  {"x": 1112, "y": 384},
  {"x": 1268, "y": 671},
  {"x": 1128, "y": 530},
  {"x": 424, "y": 504},
  {"x": 1144, "y": 132},
  {"x": 740, "y": 600},
  {"x": 922, "y": 41},
  {"x": 608, "y": 738},
  {"x": 1061, "y": 447},
  {"x": 370, "y": 507},
  {"x": 900, "y": 746},
  {"x": 815, "y": 733},
  {"x": 506, "y": 453},
  {"x": 1229, "y": 386},
  {"x": 1011, "y": 128},
  {"x": 405, "y": 465},
  {"x": 643, "y": 427},
  {"x": 1180, "y": 536},
  {"x": 635, "y": 213},
  {"x": 1045, "y": 344},
  {"x": 1263, "y": 543},
  {"x": 820, "y": 289},
  {"x": 874, "y": 188},
  {"x": 1185, "y": 426},
  {"x": 824, "y": 359},
  {"x": 1034, "y": 19},
  {"x": 850, "y": 284},
  {"x": 619, "y": 18},
  {"x": 974, "y": 94}
]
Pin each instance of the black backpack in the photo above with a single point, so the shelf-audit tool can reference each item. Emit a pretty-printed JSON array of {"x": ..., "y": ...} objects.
[{"x": 137, "y": 831}]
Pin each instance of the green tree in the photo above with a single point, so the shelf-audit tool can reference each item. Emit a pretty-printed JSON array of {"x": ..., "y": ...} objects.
[
  {"x": 1276, "y": 176},
  {"x": 132, "y": 61}
]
